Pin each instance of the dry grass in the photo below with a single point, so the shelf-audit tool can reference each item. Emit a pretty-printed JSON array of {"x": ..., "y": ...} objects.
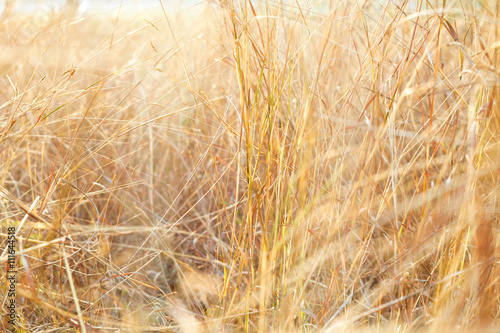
[{"x": 246, "y": 166}]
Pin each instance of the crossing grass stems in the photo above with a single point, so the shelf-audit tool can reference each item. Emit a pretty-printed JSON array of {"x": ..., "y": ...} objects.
[{"x": 253, "y": 166}]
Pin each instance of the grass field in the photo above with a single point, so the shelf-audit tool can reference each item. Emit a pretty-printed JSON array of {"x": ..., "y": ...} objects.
[{"x": 252, "y": 166}]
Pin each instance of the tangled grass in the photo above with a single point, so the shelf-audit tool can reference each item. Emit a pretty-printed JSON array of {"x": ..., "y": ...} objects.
[{"x": 246, "y": 166}]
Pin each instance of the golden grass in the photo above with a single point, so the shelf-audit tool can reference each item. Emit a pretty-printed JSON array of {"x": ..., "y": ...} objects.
[{"x": 246, "y": 166}]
